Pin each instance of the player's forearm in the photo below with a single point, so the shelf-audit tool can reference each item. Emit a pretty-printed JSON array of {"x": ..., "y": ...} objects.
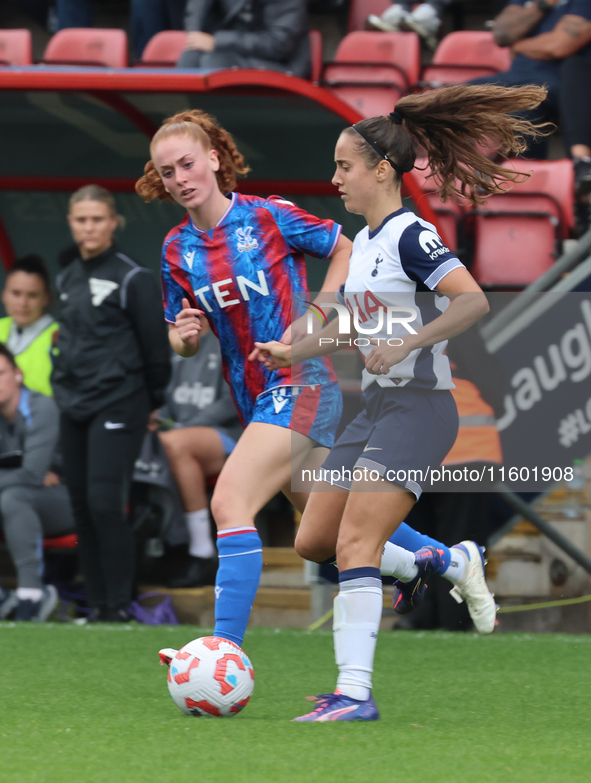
[
  {"x": 463, "y": 311},
  {"x": 319, "y": 344},
  {"x": 571, "y": 34},
  {"x": 515, "y": 22},
  {"x": 339, "y": 267},
  {"x": 178, "y": 346}
]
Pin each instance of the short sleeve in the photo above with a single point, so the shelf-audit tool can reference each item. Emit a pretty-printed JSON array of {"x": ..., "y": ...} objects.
[
  {"x": 303, "y": 232},
  {"x": 173, "y": 290},
  {"x": 424, "y": 257}
]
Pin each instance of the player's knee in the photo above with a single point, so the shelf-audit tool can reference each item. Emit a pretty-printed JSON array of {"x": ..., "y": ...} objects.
[
  {"x": 172, "y": 445},
  {"x": 225, "y": 510},
  {"x": 11, "y": 500},
  {"x": 313, "y": 550}
]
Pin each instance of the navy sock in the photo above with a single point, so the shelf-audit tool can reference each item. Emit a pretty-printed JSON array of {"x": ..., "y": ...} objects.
[
  {"x": 409, "y": 538},
  {"x": 241, "y": 562}
]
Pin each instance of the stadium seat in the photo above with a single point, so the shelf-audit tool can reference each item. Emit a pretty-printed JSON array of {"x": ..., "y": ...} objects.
[
  {"x": 518, "y": 233},
  {"x": 371, "y": 70},
  {"x": 164, "y": 49},
  {"x": 16, "y": 47},
  {"x": 465, "y": 55},
  {"x": 87, "y": 47},
  {"x": 359, "y": 10},
  {"x": 450, "y": 214},
  {"x": 316, "y": 55}
]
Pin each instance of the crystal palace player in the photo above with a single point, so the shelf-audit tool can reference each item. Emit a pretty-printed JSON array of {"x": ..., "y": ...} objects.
[
  {"x": 239, "y": 260},
  {"x": 409, "y": 418}
]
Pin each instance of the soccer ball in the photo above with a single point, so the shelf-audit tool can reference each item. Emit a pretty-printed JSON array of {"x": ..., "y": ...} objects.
[{"x": 210, "y": 676}]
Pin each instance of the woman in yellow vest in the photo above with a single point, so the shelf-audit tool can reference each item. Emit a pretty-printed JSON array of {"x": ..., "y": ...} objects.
[{"x": 28, "y": 330}]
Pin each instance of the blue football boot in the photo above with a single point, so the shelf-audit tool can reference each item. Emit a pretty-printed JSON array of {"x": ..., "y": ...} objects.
[
  {"x": 337, "y": 706},
  {"x": 408, "y": 595}
]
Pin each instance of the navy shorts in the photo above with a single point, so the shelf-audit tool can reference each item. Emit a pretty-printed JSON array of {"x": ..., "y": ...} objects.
[
  {"x": 314, "y": 411},
  {"x": 399, "y": 435}
]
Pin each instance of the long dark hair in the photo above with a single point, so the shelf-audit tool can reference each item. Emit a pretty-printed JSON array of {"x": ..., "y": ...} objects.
[{"x": 451, "y": 123}]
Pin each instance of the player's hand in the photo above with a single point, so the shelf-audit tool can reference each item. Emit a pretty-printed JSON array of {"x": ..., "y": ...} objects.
[
  {"x": 274, "y": 355},
  {"x": 203, "y": 42},
  {"x": 383, "y": 357},
  {"x": 188, "y": 325},
  {"x": 154, "y": 421},
  {"x": 51, "y": 479},
  {"x": 296, "y": 331}
]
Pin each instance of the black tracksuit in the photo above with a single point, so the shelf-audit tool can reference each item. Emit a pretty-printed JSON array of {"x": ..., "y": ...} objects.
[{"x": 111, "y": 367}]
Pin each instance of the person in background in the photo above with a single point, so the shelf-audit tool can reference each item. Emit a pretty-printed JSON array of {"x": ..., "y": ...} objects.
[
  {"x": 27, "y": 330},
  {"x": 206, "y": 428},
  {"x": 29, "y": 509},
  {"x": 424, "y": 19},
  {"x": 149, "y": 17},
  {"x": 542, "y": 34},
  {"x": 269, "y": 34},
  {"x": 111, "y": 368},
  {"x": 575, "y": 120}
]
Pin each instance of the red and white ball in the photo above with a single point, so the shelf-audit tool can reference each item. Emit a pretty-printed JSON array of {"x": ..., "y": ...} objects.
[{"x": 211, "y": 676}]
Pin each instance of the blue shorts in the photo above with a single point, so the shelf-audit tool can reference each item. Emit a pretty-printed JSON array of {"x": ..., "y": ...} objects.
[
  {"x": 314, "y": 411},
  {"x": 400, "y": 434},
  {"x": 228, "y": 443}
]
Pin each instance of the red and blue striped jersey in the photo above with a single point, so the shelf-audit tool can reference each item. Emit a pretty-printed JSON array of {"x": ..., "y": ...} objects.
[{"x": 246, "y": 275}]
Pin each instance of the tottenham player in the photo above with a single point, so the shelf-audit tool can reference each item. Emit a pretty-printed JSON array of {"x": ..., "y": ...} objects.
[
  {"x": 409, "y": 420},
  {"x": 239, "y": 260}
]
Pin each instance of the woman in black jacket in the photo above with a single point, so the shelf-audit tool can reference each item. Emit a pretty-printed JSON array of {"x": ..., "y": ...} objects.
[{"x": 111, "y": 367}]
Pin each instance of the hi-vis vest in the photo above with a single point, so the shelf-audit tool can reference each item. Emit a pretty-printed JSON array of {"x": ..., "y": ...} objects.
[
  {"x": 35, "y": 360},
  {"x": 478, "y": 438}
]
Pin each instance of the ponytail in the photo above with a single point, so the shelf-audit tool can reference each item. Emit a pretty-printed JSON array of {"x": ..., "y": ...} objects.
[
  {"x": 203, "y": 128},
  {"x": 451, "y": 123}
]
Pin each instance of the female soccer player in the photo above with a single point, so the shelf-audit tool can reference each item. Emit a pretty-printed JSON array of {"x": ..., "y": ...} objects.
[
  {"x": 409, "y": 420},
  {"x": 240, "y": 260}
]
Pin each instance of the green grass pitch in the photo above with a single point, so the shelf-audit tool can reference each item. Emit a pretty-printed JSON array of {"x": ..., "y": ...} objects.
[{"x": 90, "y": 704}]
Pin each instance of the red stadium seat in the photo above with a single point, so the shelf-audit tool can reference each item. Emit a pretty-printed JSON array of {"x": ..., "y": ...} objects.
[
  {"x": 87, "y": 47},
  {"x": 164, "y": 49},
  {"x": 371, "y": 70},
  {"x": 466, "y": 55},
  {"x": 359, "y": 10},
  {"x": 316, "y": 54},
  {"x": 518, "y": 233},
  {"x": 16, "y": 47}
]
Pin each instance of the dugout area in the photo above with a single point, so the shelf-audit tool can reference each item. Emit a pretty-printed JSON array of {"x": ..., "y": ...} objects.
[{"x": 64, "y": 127}]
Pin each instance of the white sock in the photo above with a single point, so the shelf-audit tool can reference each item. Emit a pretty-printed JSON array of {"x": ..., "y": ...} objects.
[
  {"x": 200, "y": 543},
  {"x": 457, "y": 565},
  {"x": 357, "y": 615},
  {"x": 29, "y": 594},
  {"x": 398, "y": 562}
]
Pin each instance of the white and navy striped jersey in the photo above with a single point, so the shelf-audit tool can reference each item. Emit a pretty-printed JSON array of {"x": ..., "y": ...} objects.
[{"x": 393, "y": 273}]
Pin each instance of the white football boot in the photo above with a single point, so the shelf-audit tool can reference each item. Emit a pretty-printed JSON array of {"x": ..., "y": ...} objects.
[
  {"x": 166, "y": 655},
  {"x": 390, "y": 21},
  {"x": 472, "y": 588}
]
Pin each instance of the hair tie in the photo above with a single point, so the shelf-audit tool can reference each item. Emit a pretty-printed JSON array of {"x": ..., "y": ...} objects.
[{"x": 396, "y": 117}]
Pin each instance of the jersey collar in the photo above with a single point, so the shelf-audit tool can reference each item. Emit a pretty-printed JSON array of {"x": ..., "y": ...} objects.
[
  {"x": 377, "y": 230},
  {"x": 220, "y": 221}
]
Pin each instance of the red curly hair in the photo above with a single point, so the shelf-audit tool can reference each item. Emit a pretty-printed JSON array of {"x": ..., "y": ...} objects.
[{"x": 203, "y": 128}]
